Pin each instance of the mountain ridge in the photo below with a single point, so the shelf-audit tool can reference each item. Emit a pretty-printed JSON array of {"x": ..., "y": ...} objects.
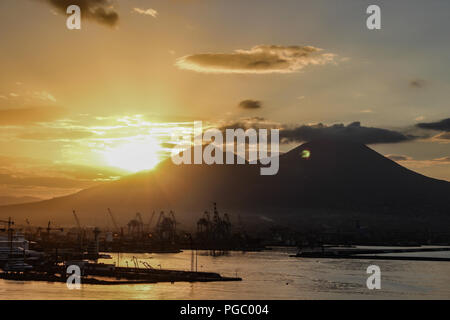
[{"x": 318, "y": 178}]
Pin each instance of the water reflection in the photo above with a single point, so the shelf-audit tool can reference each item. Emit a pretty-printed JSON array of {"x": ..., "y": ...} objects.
[{"x": 267, "y": 275}]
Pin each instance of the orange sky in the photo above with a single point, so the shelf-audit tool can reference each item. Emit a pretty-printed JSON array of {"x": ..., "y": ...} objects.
[{"x": 81, "y": 107}]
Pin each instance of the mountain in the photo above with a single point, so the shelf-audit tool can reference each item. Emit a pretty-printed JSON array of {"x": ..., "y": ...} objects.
[
  {"x": 5, "y": 200},
  {"x": 323, "y": 181}
]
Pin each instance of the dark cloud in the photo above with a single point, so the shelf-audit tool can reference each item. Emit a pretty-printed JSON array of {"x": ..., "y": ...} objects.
[
  {"x": 258, "y": 60},
  {"x": 101, "y": 11},
  {"x": 352, "y": 132},
  {"x": 417, "y": 83},
  {"x": 443, "y": 125},
  {"x": 248, "y": 123},
  {"x": 250, "y": 104},
  {"x": 26, "y": 116}
]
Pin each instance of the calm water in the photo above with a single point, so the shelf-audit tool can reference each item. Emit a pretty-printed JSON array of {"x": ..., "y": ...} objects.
[{"x": 267, "y": 275}]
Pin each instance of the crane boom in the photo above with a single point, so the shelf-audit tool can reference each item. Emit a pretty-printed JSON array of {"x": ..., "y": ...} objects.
[
  {"x": 76, "y": 219},
  {"x": 116, "y": 227},
  {"x": 151, "y": 219},
  {"x": 139, "y": 218}
]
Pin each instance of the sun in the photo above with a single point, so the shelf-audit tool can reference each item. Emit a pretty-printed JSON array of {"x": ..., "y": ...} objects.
[{"x": 135, "y": 155}]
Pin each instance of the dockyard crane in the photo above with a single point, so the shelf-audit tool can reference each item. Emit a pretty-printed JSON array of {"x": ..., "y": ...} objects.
[
  {"x": 77, "y": 220},
  {"x": 160, "y": 218},
  {"x": 139, "y": 218},
  {"x": 116, "y": 227},
  {"x": 9, "y": 222},
  {"x": 10, "y": 230},
  {"x": 80, "y": 230},
  {"x": 149, "y": 226},
  {"x": 50, "y": 229},
  {"x": 172, "y": 215}
]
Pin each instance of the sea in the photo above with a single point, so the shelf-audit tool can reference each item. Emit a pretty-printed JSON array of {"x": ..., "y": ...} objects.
[{"x": 270, "y": 274}]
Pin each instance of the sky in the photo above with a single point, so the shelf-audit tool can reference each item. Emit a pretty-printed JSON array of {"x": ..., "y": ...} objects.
[{"x": 81, "y": 107}]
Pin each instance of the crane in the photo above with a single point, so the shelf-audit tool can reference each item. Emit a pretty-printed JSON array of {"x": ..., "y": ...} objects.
[
  {"x": 80, "y": 230},
  {"x": 172, "y": 215},
  {"x": 149, "y": 226},
  {"x": 160, "y": 218},
  {"x": 77, "y": 220},
  {"x": 139, "y": 218},
  {"x": 50, "y": 229},
  {"x": 10, "y": 223},
  {"x": 116, "y": 227}
]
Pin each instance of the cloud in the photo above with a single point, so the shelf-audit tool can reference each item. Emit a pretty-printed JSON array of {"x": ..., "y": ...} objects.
[
  {"x": 443, "y": 137},
  {"x": 147, "y": 12},
  {"x": 396, "y": 157},
  {"x": 417, "y": 83},
  {"x": 443, "y": 125},
  {"x": 55, "y": 135},
  {"x": 100, "y": 11},
  {"x": 250, "y": 104},
  {"x": 260, "y": 59},
  {"x": 26, "y": 116},
  {"x": 44, "y": 96},
  {"x": 352, "y": 132},
  {"x": 415, "y": 163},
  {"x": 250, "y": 123},
  {"x": 301, "y": 133},
  {"x": 443, "y": 160},
  {"x": 42, "y": 181}
]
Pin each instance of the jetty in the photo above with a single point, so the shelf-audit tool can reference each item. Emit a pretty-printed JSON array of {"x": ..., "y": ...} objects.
[
  {"x": 102, "y": 274},
  {"x": 329, "y": 252}
]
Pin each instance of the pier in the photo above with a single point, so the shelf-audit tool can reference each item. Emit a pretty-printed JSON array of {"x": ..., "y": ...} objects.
[
  {"x": 371, "y": 254},
  {"x": 115, "y": 275}
]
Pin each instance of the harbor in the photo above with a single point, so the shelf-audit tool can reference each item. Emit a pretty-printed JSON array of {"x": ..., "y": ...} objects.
[
  {"x": 269, "y": 274},
  {"x": 52, "y": 250},
  {"x": 45, "y": 254}
]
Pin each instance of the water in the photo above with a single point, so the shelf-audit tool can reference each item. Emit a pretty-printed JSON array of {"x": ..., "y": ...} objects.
[{"x": 266, "y": 275}]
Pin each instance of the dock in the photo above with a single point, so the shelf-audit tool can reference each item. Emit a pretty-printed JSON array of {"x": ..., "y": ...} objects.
[
  {"x": 372, "y": 254},
  {"x": 116, "y": 276}
]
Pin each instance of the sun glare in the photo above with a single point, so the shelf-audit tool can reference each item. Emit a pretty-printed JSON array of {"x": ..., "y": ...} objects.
[{"x": 134, "y": 156}]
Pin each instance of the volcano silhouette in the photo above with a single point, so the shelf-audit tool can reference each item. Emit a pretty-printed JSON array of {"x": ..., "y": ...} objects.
[{"x": 326, "y": 178}]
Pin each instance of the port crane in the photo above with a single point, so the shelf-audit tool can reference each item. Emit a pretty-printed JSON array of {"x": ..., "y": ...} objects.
[
  {"x": 172, "y": 215},
  {"x": 166, "y": 226},
  {"x": 77, "y": 220},
  {"x": 80, "y": 230},
  {"x": 10, "y": 230},
  {"x": 50, "y": 228},
  {"x": 9, "y": 222},
  {"x": 149, "y": 226},
  {"x": 116, "y": 227},
  {"x": 141, "y": 222}
]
